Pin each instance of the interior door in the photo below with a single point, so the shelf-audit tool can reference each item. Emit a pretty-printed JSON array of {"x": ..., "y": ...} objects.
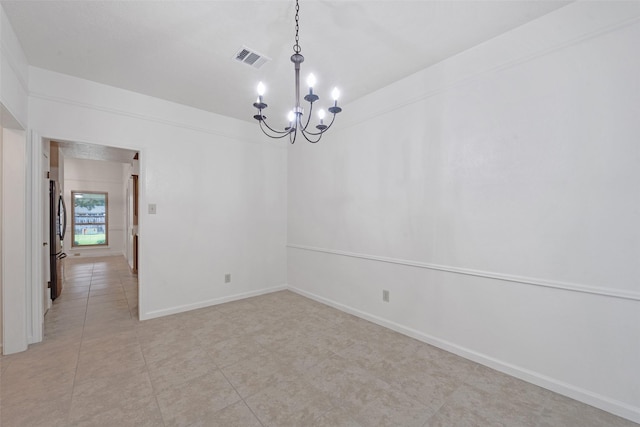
[{"x": 46, "y": 244}]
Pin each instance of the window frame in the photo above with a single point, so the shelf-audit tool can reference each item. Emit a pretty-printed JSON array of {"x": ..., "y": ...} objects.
[{"x": 105, "y": 223}]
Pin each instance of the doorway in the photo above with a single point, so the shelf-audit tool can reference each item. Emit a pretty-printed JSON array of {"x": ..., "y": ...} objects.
[{"x": 79, "y": 169}]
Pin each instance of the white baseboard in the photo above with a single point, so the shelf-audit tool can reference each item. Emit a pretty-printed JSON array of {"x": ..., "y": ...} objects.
[
  {"x": 93, "y": 253},
  {"x": 208, "y": 303},
  {"x": 599, "y": 401}
]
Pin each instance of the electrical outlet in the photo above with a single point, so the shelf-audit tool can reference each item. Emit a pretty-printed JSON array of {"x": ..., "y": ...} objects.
[
  {"x": 152, "y": 208},
  {"x": 385, "y": 295},
  {"x": 227, "y": 278}
]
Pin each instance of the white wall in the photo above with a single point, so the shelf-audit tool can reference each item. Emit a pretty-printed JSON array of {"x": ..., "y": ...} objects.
[
  {"x": 496, "y": 196},
  {"x": 219, "y": 188},
  {"x": 102, "y": 176},
  {"x": 14, "y": 249},
  {"x": 13, "y": 255},
  {"x": 13, "y": 73},
  {"x": 1, "y": 216}
]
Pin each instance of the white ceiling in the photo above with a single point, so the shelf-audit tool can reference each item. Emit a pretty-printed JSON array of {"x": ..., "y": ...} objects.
[
  {"x": 183, "y": 51},
  {"x": 78, "y": 150}
]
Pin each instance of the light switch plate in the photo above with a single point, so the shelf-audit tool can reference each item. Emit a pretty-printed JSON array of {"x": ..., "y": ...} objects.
[{"x": 152, "y": 208}]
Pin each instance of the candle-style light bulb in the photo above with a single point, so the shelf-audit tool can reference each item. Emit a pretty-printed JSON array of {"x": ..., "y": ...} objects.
[
  {"x": 259, "y": 104},
  {"x": 321, "y": 127},
  {"x": 311, "y": 82},
  {"x": 335, "y": 94},
  {"x": 311, "y": 97},
  {"x": 291, "y": 116}
]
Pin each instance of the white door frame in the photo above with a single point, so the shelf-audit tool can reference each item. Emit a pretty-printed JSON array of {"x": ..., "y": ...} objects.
[
  {"x": 35, "y": 238},
  {"x": 31, "y": 308}
]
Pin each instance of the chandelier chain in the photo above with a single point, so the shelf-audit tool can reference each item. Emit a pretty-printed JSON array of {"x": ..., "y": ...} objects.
[
  {"x": 297, "y": 122},
  {"x": 296, "y": 47}
]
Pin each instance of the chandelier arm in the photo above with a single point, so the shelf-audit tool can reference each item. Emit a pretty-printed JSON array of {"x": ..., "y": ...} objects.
[
  {"x": 275, "y": 131},
  {"x": 304, "y": 133},
  {"x": 292, "y": 135},
  {"x": 323, "y": 130},
  {"x": 264, "y": 121},
  {"x": 308, "y": 115}
]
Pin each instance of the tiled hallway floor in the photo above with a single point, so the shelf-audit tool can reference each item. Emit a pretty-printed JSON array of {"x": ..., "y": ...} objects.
[{"x": 274, "y": 360}]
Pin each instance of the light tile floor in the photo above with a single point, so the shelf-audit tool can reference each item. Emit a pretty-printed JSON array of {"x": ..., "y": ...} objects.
[{"x": 274, "y": 360}]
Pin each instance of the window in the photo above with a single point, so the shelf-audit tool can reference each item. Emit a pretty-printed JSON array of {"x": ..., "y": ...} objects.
[{"x": 89, "y": 218}]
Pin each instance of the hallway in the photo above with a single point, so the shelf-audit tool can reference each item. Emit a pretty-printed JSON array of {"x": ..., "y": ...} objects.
[
  {"x": 273, "y": 360},
  {"x": 100, "y": 300}
]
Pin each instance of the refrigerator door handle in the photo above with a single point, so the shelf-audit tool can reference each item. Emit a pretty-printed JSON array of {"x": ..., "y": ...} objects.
[{"x": 62, "y": 217}]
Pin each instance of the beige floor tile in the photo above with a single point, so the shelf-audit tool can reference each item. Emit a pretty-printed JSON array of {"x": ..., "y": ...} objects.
[
  {"x": 103, "y": 282},
  {"x": 336, "y": 417},
  {"x": 469, "y": 405},
  {"x": 212, "y": 331},
  {"x": 365, "y": 398},
  {"x": 99, "y": 319},
  {"x": 4, "y": 363},
  {"x": 71, "y": 288},
  {"x": 197, "y": 400},
  {"x": 22, "y": 393},
  {"x": 79, "y": 279},
  {"x": 39, "y": 362},
  {"x": 110, "y": 343},
  {"x": 109, "y": 298},
  {"x": 257, "y": 372},
  {"x": 294, "y": 403},
  {"x": 166, "y": 344},
  {"x": 66, "y": 309},
  {"x": 181, "y": 368},
  {"x": 295, "y": 362},
  {"x": 110, "y": 290},
  {"x": 67, "y": 335},
  {"x": 73, "y": 293},
  {"x": 99, "y": 329},
  {"x": 94, "y": 365},
  {"x": 303, "y": 354},
  {"x": 505, "y": 387},
  {"x": 130, "y": 413},
  {"x": 96, "y": 396},
  {"x": 429, "y": 387},
  {"x": 50, "y": 412},
  {"x": 274, "y": 336},
  {"x": 561, "y": 411},
  {"x": 228, "y": 352},
  {"x": 235, "y": 415}
]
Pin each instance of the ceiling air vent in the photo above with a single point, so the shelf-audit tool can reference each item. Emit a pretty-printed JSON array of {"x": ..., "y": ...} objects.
[{"x": 251, "y": 57}]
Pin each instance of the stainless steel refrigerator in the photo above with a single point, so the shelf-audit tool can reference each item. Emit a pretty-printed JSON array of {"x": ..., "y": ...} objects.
[{"x": 57, "y": 229}]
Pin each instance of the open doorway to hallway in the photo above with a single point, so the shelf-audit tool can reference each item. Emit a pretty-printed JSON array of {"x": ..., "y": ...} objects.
[
  {"x": 82, "y": 171},
  {"x": 100, "y": 297}
]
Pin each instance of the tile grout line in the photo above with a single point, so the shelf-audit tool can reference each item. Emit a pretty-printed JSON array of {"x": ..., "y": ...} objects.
[
  {"x": 241, "y": 398},
  {"x": 84, "y": 322},
  {"x": 146, "y": 368}
]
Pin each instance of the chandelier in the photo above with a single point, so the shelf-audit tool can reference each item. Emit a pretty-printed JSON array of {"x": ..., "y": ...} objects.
[{"x": 295, "y": 117}]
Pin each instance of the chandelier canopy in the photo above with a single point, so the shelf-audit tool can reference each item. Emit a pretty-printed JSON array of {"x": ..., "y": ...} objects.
[{"x": 296, "y": 115}]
